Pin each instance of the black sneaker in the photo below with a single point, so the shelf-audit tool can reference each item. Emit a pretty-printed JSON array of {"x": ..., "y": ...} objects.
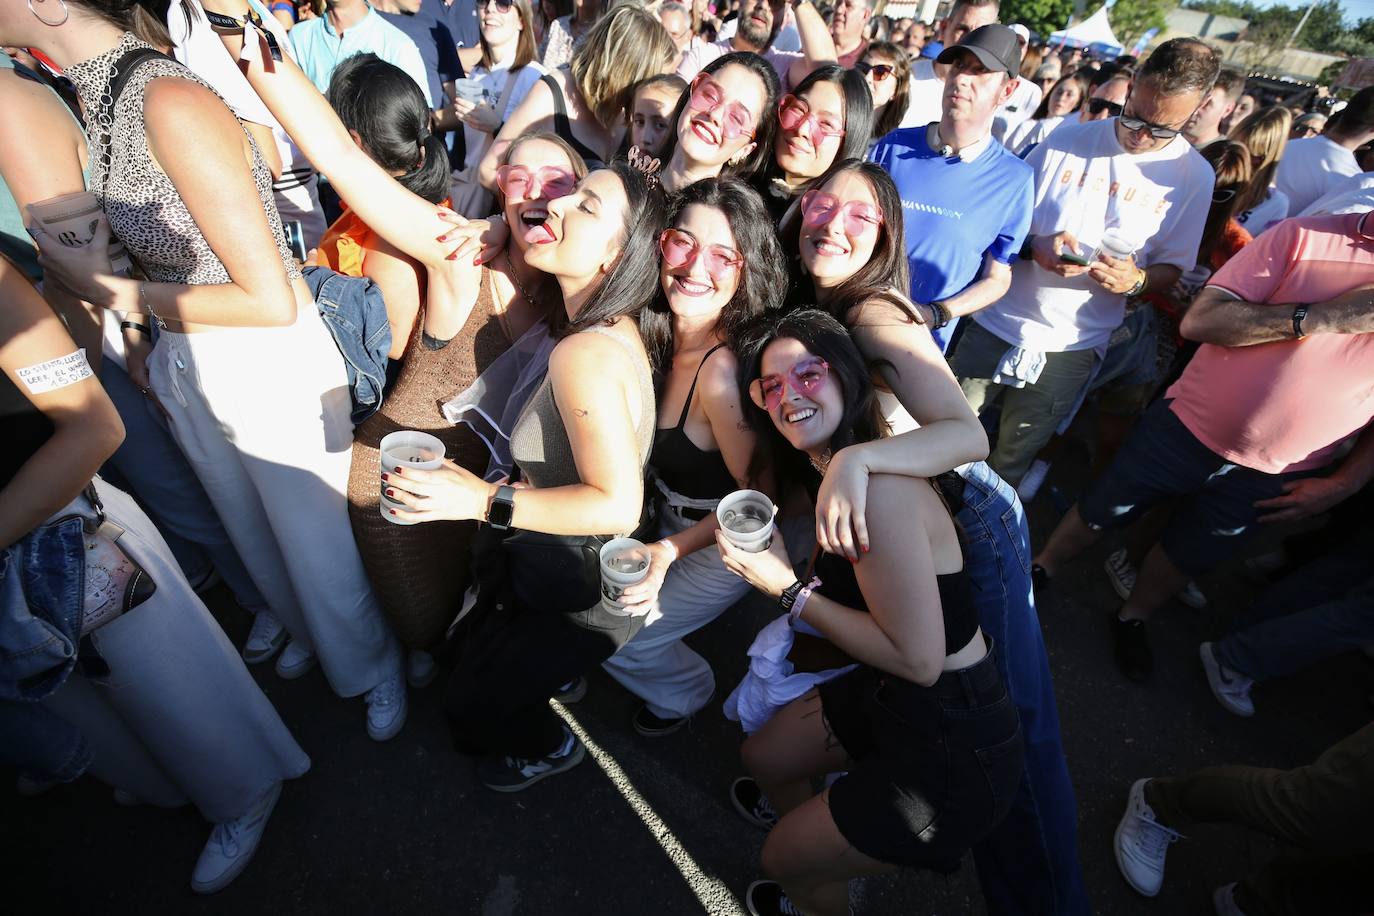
[
  {"x": 573, "y": 691},
  {"x": 502, "y": 773},
  {"x": 1133, "y": 655},
  {"x": 752, "y": 804},
  {"x": 766, "y": 898},
  {"x": 651, "y": 726}
]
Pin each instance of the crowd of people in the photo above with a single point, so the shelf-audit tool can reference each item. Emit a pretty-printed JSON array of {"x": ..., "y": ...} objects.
[{"x": 621, "y": 261}]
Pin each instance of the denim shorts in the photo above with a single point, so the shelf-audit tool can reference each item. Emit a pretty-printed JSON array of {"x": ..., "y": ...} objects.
[
  {"x": 935, "y": 768},
  {"x": 1161, "y": 460}
]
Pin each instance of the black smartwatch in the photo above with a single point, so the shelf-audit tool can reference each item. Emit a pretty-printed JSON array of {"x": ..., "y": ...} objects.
[
  {"x": 502, "y": 508},
  {"x": 789, "y": 595},
  {"x": 1299, "y": 314}
]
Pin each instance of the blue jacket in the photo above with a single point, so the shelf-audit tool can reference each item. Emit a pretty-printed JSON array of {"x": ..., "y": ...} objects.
[
  {"x": 355, "y": 313},
  {"x": 41, "y": 593}
]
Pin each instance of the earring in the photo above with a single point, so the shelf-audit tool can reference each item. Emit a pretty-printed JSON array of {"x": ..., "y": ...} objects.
[{"x": 65, "y": 13}]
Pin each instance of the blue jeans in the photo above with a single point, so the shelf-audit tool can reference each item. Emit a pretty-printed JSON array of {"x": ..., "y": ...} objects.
[
  {"x": 1029, "y": 863},
  {"x": 1321, "y": 609}
]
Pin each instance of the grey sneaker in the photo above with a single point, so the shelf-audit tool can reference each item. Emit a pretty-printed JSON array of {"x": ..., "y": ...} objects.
[
  {"x": 1231, "y": 688},
  {"x": 295, "y": 661},
  {"x": 1120, "y": 572},
  {"x": 264, "y": 639},
  {"x": 1141, "y": 843},
  {"x": 386, "y": 708},
  {"x": 512, "y": 774}
]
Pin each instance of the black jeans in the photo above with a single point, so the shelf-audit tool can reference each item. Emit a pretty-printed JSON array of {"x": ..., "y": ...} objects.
[
  {"x": 541, "y": 624},
  {"x": 936, "y": 768}
]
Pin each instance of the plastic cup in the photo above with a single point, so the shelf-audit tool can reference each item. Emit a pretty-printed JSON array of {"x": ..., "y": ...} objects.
[
  {"x": 72, "y": 219},
  {"x": 624, "y": 562},
  {"x": 1194, "y": 279},
  {"x": 470, "y": 90},
  {"x": 1116, "y": 245},
  {"x": 407, "y": 448},
  {"x": 746, "y": 517}
]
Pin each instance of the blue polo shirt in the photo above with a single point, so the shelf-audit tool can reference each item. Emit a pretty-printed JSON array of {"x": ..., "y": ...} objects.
[
  {"x": 319, "y": 49},
  {"x": 955, "y": 212},
  {"x": 437, "y": 50},
  {"x": 461, "y": 18}
]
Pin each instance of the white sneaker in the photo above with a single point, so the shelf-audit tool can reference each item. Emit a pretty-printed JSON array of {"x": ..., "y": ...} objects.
[
  {"x": 386, "y": 708},
  {"x": 295, "y": 661},
  {"x": 1142, "y": 843},
  {"x": 1224, "y": 901},
  {"x": 420, "y": 669},
  {"x": 1231, "y": 688},
  {"x": 1193, "y": 596},
  {"x": 1120, "y": 573},
  {"x": 231, "y": 846},
  {"x": 264, "y": 639},
  {"x": 1032, "y": 481}
]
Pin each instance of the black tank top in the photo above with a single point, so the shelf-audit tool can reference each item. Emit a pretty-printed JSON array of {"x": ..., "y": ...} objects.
[
  {"x": 23, "y": 429},
  {"x": 563, "y": 127},
  {"x": 839, "y": 584},
  {"x": 683, "y": 467}
]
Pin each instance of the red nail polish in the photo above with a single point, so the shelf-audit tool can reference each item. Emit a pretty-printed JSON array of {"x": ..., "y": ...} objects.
[
  {"x": 865, "y": 548},
  {"x": 451, "y": 257},
  {"x": 398, "y": 472},
  {"x": 392, "y": 511},
  {"x": 385, "y": 477},
  {"x": 390, "y": 492}
]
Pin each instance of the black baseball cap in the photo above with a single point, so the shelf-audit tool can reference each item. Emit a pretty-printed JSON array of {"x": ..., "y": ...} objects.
[{"x": 995, "y": 46}]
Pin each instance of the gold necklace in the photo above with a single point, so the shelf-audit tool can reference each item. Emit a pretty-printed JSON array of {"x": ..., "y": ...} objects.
[
  {"x": 515, "y": 279},
  {"x": 823, "y": 462}
]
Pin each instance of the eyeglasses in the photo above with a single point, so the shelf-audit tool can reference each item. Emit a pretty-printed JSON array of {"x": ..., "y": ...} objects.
[
  {"x": 1222, "y": 195},
  {"x": 879, "y": 71},
  {"x": 1158, "y": 131},
  {"x": 707, "y": 95},
  {"x": 805, "y": 378},
  {"x": 1097, "y": 106},
  {"x": 680, "y": 248},
  {"x": 502, "y": 6},
  {"x": 821, "y": 209},
  {"x": 519, "y": 183},
  {"x": 794, "y": 114}
]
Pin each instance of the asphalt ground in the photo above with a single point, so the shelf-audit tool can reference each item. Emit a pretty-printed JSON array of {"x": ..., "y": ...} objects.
[{"x": 645, "y": 826}]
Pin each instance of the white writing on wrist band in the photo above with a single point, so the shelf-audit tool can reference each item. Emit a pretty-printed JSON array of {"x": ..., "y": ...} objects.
[{"x": 56, "y": 373}]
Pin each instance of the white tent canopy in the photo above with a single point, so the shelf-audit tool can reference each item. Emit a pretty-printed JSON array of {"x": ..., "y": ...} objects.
[{"x": 1095, "y": 31}]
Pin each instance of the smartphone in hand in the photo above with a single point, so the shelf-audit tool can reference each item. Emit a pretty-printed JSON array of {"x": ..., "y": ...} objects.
[{"x": 1071, "y": 257}]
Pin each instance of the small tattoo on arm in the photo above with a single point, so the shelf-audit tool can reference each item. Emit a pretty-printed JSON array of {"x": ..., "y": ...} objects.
[{"x": 579, "y": 412}]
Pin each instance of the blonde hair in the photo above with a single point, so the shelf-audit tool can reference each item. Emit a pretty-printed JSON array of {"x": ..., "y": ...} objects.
[
  {"x": 625, "y": 46},
  {"x": 524, "y": 45},
  {"x": 1265, "y": 134}
]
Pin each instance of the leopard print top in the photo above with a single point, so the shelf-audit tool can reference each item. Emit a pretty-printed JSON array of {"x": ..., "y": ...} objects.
[{"x": 142, "y": 204}]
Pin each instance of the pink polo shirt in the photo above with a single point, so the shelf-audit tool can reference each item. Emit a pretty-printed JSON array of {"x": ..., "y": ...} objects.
[{"x": 1287, "y": 405}]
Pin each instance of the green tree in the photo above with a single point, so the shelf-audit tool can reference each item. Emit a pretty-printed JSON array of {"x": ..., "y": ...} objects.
[
  {"x": 1040, "y": 16},
  {"x": 1132, "y": 18}
]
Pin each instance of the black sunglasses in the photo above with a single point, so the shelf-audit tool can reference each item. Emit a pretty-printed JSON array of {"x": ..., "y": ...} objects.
[
  {"x": 879, "y": 71},
  {"x": 502, "y": 6},
  {"x": 1158, "y": 131},
  {"x": 1222, "y": 195},
  {"x": 1097, "y": 106}
]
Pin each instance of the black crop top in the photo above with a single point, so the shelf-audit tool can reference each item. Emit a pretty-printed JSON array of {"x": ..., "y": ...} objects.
[
  {"x": 839, "y": 584},
  {"x": 683, "y": 467},
  {"x": 23, "y": 429},
  {"x": 563, "y": 127}
]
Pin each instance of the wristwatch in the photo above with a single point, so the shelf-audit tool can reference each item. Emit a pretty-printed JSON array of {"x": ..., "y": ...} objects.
[
  {"x": 1139, "y": 284},
  {"x": 1299, "y": 313},
  {"x": 789, "y": 595},
  {"x": 502, "y": 508}
]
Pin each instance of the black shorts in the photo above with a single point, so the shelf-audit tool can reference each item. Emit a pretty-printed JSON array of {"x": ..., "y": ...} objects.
[{"x": 935, "y": 767}]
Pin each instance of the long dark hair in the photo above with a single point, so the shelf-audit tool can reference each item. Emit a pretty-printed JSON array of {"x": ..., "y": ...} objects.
[
  {"x": 887, "y": 269},
  {"x": 895, "y": 110},
  {"x": 633, "y": 278},
  {"x": 858, "y": 112},
  {"x": 762, "y": 280},
  {"x": 1078, "y": 79},
  {"x": 388, "y": 111},
  {"x": 1231, "y": 161},
  {"x": 825, "y": 337},
  {"x": 768, "y": 120}
]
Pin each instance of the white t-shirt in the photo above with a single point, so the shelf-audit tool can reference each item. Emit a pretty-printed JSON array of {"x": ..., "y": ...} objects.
[
  {"x": 1310, "y": 168},
  {"x": 494, "y": 82},
  {"x": 787, "y": 39},
  {"x": 1353, "y": 195},
  {"x": 1086, "y": 184},
  {"x": 925, "y": 95},
  {"x": 1031, "y": 133},
  {"x": 1266, "y": 213},
  {"x": 1018, "y": 109}
]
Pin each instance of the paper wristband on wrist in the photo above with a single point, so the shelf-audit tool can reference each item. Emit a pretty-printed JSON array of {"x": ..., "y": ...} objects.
[
  {"x": 794, "y": 612},
  {"x": 251, "y": 26}
]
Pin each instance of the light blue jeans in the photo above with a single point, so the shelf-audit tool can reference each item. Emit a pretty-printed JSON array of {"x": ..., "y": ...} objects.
[{"x": 1029, "y": 863}]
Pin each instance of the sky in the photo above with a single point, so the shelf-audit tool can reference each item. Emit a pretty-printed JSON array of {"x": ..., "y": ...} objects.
[{"x": 1355, "y": 10}]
